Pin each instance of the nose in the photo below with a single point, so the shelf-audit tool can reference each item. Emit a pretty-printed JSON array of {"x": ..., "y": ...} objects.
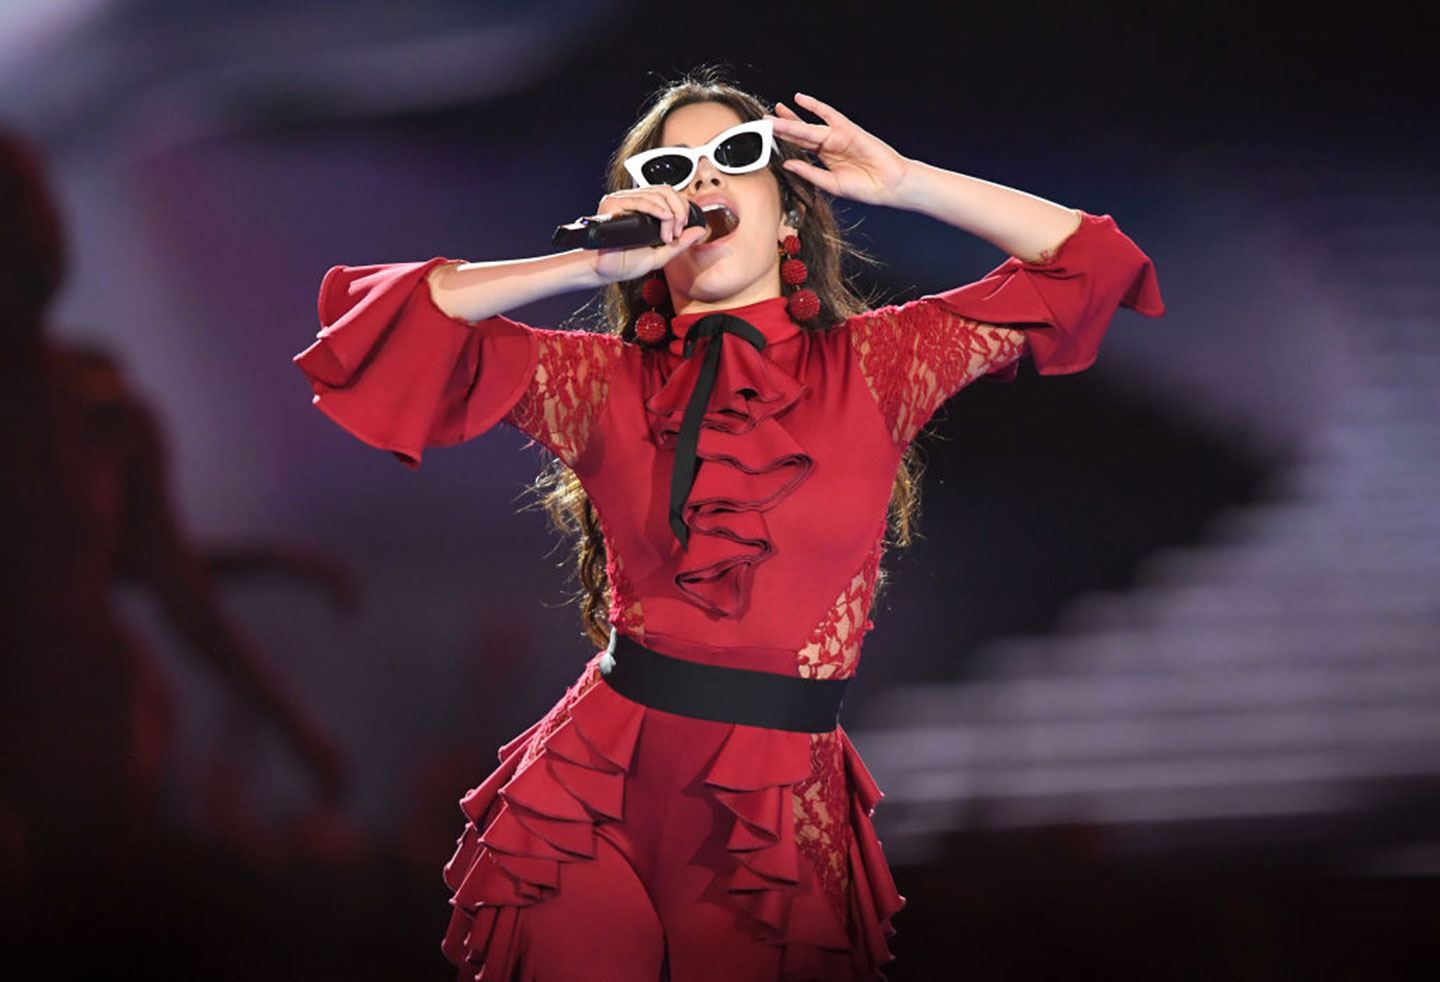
[{"x": 705, "y": 175}]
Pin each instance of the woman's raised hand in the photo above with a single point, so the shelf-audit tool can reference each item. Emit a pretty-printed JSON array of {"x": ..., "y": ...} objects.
[
  {"x": 858, "y": 164},
  {"x": 665, "y": 203}
]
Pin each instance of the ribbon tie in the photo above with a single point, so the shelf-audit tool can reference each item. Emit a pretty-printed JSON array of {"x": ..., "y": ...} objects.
[{"x": 682, "y": 478}]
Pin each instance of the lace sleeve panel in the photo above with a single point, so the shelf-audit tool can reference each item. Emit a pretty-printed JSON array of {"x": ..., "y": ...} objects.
[
  {"x": 915, "y": 356},
  {"x": 572, "y": 378}
]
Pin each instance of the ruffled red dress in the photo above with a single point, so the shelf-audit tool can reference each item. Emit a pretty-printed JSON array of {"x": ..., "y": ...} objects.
[{"x": 798, "y": 449}]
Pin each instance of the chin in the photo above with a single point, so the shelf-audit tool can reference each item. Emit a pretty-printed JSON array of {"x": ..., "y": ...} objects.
[
  {"x": 707, "y": 289},
  {"x": 714, "y": 293},
  {"x": 718, "y": 283}
]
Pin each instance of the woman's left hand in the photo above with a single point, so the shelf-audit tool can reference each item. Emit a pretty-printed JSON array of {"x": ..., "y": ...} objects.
[{"x": 858, "y": 165}]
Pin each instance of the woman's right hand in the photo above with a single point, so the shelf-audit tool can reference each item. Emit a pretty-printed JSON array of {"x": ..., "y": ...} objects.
[{"x": 666, "y": 204}]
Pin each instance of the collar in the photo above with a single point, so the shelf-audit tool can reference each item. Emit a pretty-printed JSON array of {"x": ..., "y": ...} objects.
[{"x": 770, "y": 317}]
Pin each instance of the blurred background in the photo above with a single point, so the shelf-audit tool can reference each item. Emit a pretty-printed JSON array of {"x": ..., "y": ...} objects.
[{"x": 1156, "y": 696}]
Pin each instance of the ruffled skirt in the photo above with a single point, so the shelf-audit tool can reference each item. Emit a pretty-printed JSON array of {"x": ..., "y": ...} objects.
[{"x": 566, "y": 781}]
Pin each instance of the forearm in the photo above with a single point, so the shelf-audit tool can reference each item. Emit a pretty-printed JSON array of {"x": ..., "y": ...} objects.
[
  {"x": 474, "y": 291},
  {"x": 1020, "y": 224}
]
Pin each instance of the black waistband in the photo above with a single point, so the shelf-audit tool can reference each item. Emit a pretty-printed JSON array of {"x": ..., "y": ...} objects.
[{"x": 726, "y": 695}]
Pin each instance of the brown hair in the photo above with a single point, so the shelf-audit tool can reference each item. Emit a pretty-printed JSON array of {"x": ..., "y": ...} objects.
[{"x": 823, "y": 250}]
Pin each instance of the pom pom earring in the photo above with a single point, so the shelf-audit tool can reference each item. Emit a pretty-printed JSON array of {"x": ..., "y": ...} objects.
[
  {"x": 803, "y": 304},
  {"x": 651, "y": 327}
]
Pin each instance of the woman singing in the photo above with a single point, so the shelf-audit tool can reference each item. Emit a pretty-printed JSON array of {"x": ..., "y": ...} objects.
[{"x": 733, "y": 451}]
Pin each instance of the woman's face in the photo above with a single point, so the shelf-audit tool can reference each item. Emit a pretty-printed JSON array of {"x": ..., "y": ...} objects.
[{"x": 744, "y": 266}]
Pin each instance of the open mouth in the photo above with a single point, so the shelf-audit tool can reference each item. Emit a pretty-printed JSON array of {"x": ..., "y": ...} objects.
[{"x": 720, "y": 220}]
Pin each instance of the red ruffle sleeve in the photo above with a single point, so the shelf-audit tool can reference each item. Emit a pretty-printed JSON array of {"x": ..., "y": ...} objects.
[
  {"x": 917, "y": 355},
  {"x": 399, "y": 373},
  {"x": 1065, "y": 304}
]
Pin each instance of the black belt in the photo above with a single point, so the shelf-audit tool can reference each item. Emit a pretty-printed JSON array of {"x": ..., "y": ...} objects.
[{"x": 726, "y": 695}]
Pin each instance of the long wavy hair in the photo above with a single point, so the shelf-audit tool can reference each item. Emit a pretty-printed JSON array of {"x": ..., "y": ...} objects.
[{"x": 823, "y": 249}]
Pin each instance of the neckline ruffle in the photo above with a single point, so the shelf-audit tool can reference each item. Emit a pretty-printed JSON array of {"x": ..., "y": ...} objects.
[{"x": 748, "y": 460}]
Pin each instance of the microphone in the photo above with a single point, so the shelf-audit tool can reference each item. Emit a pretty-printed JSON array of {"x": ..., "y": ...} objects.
[{"x": 635, "y": 228}]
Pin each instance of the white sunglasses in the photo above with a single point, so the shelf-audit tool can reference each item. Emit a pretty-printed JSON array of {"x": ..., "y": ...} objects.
[{"x": 739, "y": 150}]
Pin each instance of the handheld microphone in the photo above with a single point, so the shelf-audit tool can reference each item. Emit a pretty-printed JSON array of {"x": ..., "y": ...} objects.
[{"x": 634, "y": 228}]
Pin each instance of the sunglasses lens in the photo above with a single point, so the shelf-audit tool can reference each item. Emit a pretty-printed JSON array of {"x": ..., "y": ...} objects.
[
  {"x": 740, "y": 150},
  {"x": 670, "y": 169}
]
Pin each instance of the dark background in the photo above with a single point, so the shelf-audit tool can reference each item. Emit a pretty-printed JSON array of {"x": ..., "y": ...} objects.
[{"x": 216, "y": 158}]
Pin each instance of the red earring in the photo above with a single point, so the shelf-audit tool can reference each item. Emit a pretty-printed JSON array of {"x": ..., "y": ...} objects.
[
  {"x": 803, "y": 304},
  {"x": 651, "y": 327}
]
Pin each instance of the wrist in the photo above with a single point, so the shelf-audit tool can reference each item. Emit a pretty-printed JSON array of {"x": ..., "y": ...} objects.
[
  {"x": 587, "y": 269},
  {"x": 909, "y": 192}
]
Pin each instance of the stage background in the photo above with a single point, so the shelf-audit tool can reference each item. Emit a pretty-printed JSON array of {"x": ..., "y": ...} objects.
[{"x": 1163, "y": 666}]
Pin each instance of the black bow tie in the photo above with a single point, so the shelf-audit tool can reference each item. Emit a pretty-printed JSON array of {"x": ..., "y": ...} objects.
[{"x": 682, "y": 478}]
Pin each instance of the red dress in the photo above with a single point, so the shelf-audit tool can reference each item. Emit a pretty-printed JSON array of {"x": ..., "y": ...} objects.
[{"x": 798, "y": 451}]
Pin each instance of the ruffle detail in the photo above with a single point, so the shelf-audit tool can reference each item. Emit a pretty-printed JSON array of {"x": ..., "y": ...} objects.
[
  {"x": 749, "y": 463},
  {"x": 1064, "y": 303},
  {"x": 540, "y": 808},
  {"x": 396, "y": 371},
  {"x": 528, "y": 817},
  {"x": 874, "y": 899},
  {"x": 753, "y": 776}
]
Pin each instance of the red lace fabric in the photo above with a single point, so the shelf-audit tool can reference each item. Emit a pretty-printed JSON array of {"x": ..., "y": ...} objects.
[
  {"x": 821, "y": 827},
  {"x": 821, "y": 801},
  {"x": 571, "y": 380},
  {"x": 916, "y": 356},
  {"x": 625, "y": 613},
  {"x": 833, "y": 648}
]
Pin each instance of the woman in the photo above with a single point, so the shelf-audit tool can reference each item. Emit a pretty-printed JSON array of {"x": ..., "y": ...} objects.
[{"x": 691, "y": 805}]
